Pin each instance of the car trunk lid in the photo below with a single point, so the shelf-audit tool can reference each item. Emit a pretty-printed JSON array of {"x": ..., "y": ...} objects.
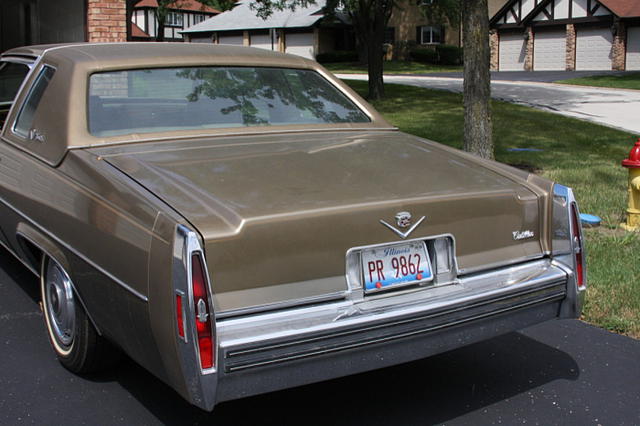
[{"x": 278, "y": 213}]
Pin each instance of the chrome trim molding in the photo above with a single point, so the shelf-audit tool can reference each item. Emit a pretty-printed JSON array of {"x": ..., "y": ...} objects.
[
  {"x": 76, "y": 253},
  {"x": 331, "y": 79},
  {"x": 480, "y": 296},
  {"x": 234, "y": 134},
  {"x": 405, "y": 234},
  {"x": 201, "y": 384},
  {"x": 362, "y": 341}
]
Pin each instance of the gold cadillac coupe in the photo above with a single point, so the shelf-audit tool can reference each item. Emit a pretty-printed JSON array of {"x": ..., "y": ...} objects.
[{"x": 239, "y": 221}]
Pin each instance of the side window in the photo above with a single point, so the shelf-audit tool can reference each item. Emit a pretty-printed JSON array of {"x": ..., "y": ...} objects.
[
  {"x": 27, "y": 112},
  {"x": 11, "y": 76}
]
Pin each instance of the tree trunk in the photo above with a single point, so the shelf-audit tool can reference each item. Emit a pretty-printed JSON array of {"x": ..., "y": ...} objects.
[
  {"x": 160, "y": 33},
  {"x": 477, "y": 79},
  {"x": 370, "y": 19},
  {"x": 374, "y": 68}
]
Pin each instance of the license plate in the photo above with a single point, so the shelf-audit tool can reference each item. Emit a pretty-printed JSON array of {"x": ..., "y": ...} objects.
[{"x": 394, "y": 265}]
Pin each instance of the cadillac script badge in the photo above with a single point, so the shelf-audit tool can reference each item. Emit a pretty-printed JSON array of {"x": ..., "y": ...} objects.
[{"x": 522, "y": 235}]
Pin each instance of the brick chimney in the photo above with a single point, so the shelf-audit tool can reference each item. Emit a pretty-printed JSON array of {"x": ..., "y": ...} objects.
[{"x": 106, "y": 20}]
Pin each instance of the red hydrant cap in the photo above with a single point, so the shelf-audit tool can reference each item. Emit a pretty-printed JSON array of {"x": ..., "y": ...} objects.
[{"x": 634, "y": 157}]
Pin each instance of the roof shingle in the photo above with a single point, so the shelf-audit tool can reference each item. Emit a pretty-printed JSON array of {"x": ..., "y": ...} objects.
[{"x": 623, "y": 8}]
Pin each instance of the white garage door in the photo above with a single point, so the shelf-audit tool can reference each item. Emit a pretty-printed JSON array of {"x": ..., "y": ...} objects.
[
  {"x": 550, "y": 51},
  {"x": 633, "y": 48},
  {"x": 232, "y": 40},
  {"x": 512, "y": 52},
  {"x": 593, "y": 49},
  {"x": 262, "y": 41},
  {"x": 300, "y": 44}
]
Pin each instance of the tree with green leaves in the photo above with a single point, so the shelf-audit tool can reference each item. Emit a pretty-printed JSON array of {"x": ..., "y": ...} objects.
[{"x": 369, "y": 18}]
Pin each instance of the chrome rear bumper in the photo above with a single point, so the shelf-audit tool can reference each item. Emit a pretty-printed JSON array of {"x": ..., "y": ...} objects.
[{"x": 271, "y": 351}]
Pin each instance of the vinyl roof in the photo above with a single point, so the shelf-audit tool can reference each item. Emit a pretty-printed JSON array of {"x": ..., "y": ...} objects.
[
  {"x": 242, "y": 17},
  {"x": 128, "y": 55}
]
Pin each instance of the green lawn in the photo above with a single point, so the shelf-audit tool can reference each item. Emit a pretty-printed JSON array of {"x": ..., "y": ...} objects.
[
  {"x": 579, "y": 154},
  {"x": 622, "y": 81},
  {"x": 390, "y": 67}
]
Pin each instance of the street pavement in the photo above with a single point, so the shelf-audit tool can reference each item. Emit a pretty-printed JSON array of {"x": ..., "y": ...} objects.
[
  {"x": 559, "y": 373},
  {"x": 611, "y": 107}
]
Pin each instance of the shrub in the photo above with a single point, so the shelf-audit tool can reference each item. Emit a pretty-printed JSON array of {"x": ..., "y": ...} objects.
[
  {"x": 425, "y": 55},
  {"x": 449, "y": 55},
  {"x": 338, "y": 56}
]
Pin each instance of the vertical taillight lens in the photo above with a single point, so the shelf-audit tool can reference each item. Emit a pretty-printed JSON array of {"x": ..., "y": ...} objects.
[
  {"x": 202, "y": 316},
  {"x": 578, "y": 249},
  {"x": 180, "y": 316}
]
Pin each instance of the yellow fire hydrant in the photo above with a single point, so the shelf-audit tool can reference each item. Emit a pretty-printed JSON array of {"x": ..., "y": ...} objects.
[{"x": 633, "y": 211}]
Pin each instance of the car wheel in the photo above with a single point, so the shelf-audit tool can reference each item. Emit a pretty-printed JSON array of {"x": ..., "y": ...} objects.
[{"x": 75, "y": 340}]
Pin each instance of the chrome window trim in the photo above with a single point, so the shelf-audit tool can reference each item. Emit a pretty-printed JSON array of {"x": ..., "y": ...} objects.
[
  {"x": 40, "y": 70},
  {"x": 233, "y": 134},
  {"x": 330, "y": 79}
]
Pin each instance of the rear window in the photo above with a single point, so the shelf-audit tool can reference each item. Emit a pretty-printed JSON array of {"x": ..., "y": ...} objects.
[{"x": 156, "y": 100}]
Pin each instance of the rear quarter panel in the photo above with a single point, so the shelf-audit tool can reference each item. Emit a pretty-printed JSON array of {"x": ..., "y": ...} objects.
[{"x": 102, "y": 224}]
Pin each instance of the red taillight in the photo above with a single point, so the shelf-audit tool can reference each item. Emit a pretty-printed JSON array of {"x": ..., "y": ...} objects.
[
  {"x": 577, "y": 246},
  {"x": 202, "y": 316},
  {"x": 179, "y": 315}
]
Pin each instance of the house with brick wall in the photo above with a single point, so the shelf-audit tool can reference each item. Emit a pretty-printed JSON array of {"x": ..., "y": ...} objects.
[{"x": 566, "y": 35}]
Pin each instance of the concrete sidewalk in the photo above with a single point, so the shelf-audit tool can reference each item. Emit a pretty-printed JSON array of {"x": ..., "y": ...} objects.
[{"x": 616, "y": 108}]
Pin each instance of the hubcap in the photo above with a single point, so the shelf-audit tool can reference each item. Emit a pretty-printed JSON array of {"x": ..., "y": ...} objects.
[{"x": 61, "y": 310}]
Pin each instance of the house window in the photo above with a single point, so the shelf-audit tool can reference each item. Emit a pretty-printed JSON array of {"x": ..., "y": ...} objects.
[
  {"x": 430, "y": 35},
  {"x": 198, "y": 18},
  {"x": 174, "y": 19}
]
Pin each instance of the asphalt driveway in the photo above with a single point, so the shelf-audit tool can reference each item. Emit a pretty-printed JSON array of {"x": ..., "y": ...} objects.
[
  {"x": 611, "y": 107},
  {"x": 558, "y": 373}
]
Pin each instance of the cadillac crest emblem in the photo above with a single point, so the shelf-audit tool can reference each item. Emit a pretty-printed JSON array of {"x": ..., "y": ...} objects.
[{"x": 403, "y": 220}]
